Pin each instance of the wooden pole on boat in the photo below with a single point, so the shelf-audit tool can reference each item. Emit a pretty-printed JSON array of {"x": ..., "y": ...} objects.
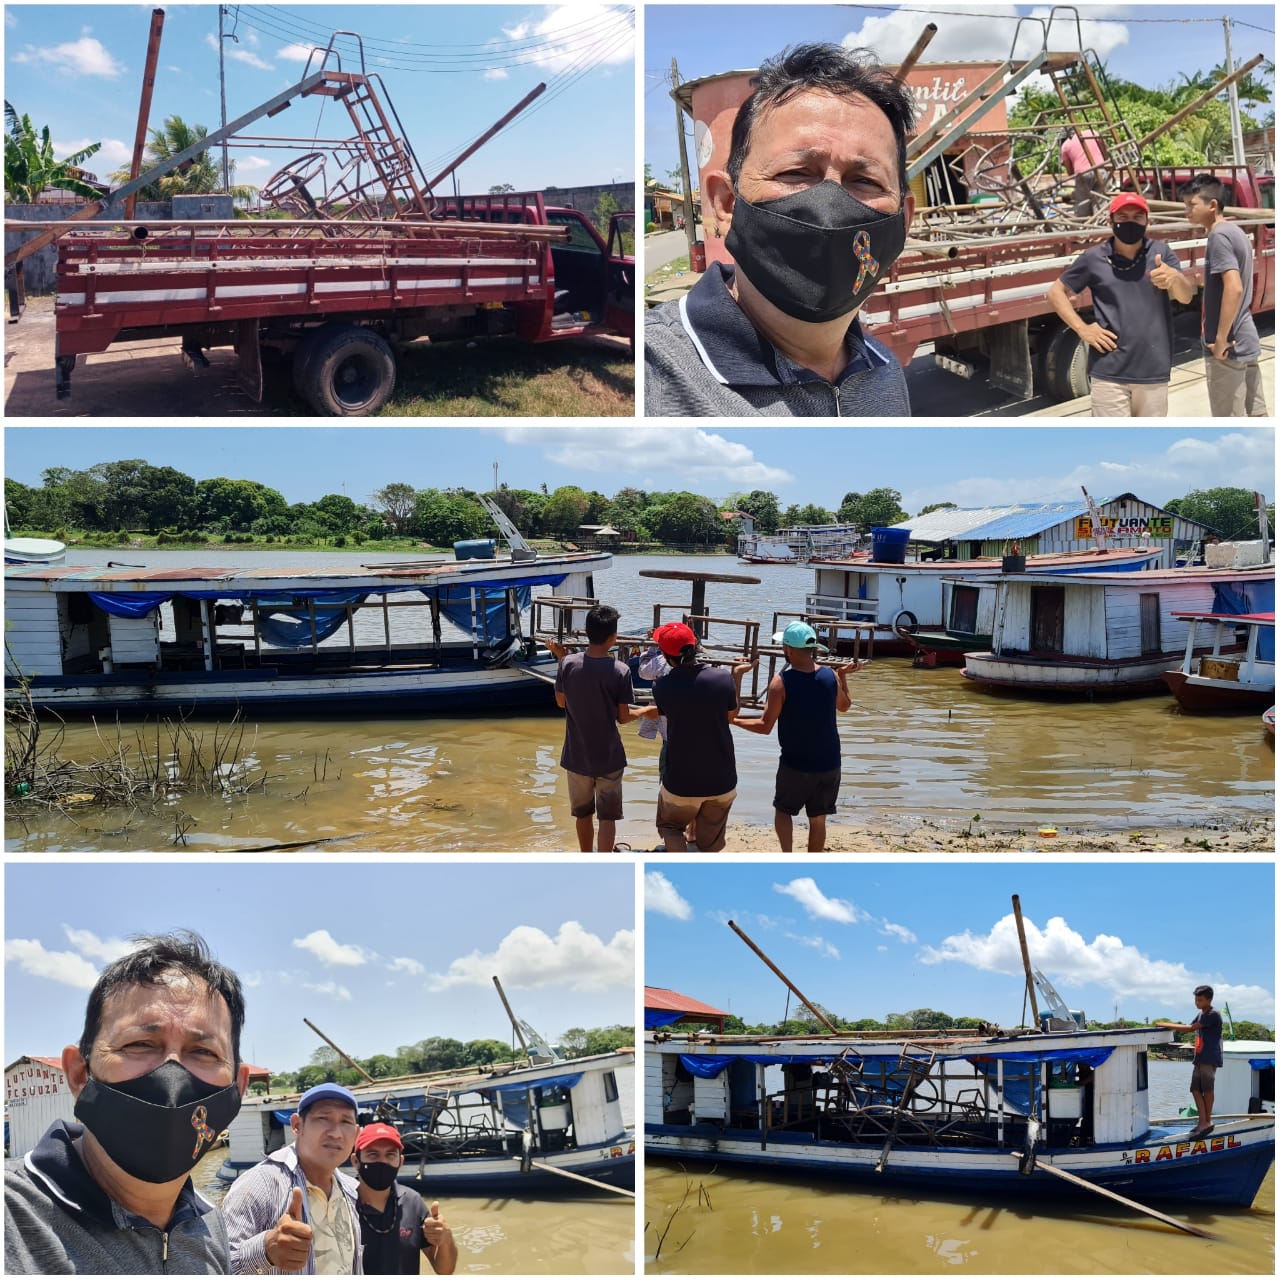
[
  {"x": 579, "y": 1177},
  {"x": 1026, "y": 960},
  {"x": 515, "y": 1025},
  {"x": 1085, "y": 1185},
  {"x": 808, "y": 1004},
  {"x": 350, "y": 1061}
]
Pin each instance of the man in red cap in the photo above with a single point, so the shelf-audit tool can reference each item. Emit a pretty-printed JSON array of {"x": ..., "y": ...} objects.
[
  {"x": 395, "y": 1224},
  {"x": 700, "y": 779},
  {"x": 1131, "y": 279}
]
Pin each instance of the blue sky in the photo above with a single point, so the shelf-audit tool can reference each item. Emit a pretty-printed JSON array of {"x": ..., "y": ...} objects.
[
  {"x": 377, "y": 956},
  {"x": 451, "y": 70},
  {"x": 1148, "y": 44},
  {"x": 866, "y": 940},
  {"x": 970, "y": 466}
]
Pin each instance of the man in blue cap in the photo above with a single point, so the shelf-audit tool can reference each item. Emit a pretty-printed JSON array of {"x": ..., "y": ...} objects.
[
  {"x": 803, "y": 700},
  {"x": 294, "y": 1212}
]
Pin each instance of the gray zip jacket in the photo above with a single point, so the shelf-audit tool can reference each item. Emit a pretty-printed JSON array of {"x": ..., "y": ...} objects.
[{"x": 58, "y": 1221}]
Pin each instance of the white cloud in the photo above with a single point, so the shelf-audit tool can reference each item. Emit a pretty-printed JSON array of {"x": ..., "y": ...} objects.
[
  {"x": 662, "y": 896},
  {"x": 58, "y": 966},
  {"x": 882, "y": 947},
  {"x": 699, "y": 459},
  {"x": 571, "y": 32},
  {"x": 254, "y": 164},
  {"x": 104, "y": 949},
  {"x": 296, "y": 52},
  {"x": 1107, "y": 962},
  {"x": 818, "y": 943},
  {"x": 406, "y": 964},
  {"x": 10, "y": 19},
  {"x": 528, "y": 957},
  {"x": 83, "y": 57},
  {"x": 328, "y": 950},
  {"x": 334, "y": 989},
  {"x": 496, "y": 73},
  {"x": 899, "y": 931},
  {"x": 112, "y": 154},
  {"x": 249, "y": 59},
  {"x": 806, "y": 892}
]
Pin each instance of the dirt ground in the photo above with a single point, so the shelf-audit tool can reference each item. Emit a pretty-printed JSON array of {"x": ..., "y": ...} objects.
[{"x": 1228, "y": 838}]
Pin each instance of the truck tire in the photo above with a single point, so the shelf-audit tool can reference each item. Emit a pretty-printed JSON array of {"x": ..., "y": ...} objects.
[
  {"x": 1066, "y": 366},
  {"x": 348, "y": 371}
]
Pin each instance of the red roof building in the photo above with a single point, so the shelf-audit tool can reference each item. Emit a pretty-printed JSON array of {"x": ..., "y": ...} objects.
[{"x": 666, "y": 1008}]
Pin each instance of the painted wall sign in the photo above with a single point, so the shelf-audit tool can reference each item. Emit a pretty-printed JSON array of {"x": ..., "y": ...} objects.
[{"x": 1121, "y": 526}]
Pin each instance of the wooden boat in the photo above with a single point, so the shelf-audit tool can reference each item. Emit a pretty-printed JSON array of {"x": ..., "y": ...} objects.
[
  {"x": 1215, "y": 682},
  {"x": 999, "y": 1114},
  {"x": 1088, "y": 635},
  {"x": 451, "y": 636},
  {"x": 909, "y": 597},
  {"x": 1269, "y": 722},
  {"x": 505, "y": 1128}
]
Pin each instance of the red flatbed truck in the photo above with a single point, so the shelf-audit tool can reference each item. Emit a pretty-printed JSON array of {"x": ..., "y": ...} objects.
[
  {"x": 986, "y": 301},
  {"x": 339, "y": 296}
]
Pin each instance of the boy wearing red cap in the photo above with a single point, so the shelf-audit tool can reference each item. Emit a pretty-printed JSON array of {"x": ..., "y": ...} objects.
[
  {"x": 700, "y": 779},
  {"x": 1131, "y": 279},
  {"x": 397, "y": 1229}
]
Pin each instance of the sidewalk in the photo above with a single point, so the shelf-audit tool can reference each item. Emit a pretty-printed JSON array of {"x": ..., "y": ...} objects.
[{"x": 1188, "y": 394}]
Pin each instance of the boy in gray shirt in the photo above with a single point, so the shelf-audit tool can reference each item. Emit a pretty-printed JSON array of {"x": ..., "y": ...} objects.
[
  {"x": 595, "y": 691},
  {"x": 1230, "y": 337}
]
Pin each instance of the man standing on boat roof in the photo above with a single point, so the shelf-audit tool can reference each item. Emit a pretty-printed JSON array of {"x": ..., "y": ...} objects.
[
  {"x": 294, "y": 1211},
  {"x": 803, "y": 701},
  {"x": 594, "y": 689},
  {"x": 156, "y": 1077},
  {"x": 1131, "y": 280},
  {"x": 1206, "y": 1059},
  {"x": 700, "y": 780},
  {"x": 398, "y": 1228},
  {"x": 814, "y": 207}
]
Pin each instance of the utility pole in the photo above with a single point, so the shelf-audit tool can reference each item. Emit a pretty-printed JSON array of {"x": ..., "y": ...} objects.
[
  {"x": 222, "y": 81},
  {"x": 684, "y": 160},
  {"x": 1233, "y": 98}
]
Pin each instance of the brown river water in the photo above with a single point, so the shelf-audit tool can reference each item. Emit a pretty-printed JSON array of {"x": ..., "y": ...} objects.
[
  {"x": 919, "y": 746},
  {"x": 790, "y": 1225}
]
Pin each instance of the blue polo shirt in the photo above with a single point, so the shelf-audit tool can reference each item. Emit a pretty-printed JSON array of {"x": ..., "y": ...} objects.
[{"x": 704, "y": 357}]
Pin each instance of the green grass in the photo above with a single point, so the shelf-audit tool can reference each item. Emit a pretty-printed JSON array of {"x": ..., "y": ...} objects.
[
  {"x": 503, "y": 377},
  {"x": 667, "y": 274}
]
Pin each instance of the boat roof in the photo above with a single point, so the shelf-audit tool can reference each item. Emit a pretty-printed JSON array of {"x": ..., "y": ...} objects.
[
  {"x": 673, "y": 1002},
  {"x": 940, "y": 1045},
  {"x": 240, "y": 580},
  {"x": 1086, "y": 555},
  {"x": 1258, "y": 619},
  {"x": 1249, "y": 1048},
  {"x": 1146, "y": 577}
]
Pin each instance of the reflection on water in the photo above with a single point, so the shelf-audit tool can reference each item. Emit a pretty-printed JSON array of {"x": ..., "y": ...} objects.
[{"x": 917, "y": 745}]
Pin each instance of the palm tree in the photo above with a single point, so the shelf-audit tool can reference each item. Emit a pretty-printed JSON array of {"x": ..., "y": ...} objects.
[
  {"x": 30, "y": 167},
  {"x": 196, "y": 177}
]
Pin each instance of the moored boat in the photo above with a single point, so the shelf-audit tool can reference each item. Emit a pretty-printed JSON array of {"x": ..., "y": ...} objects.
[
  {"x": 505, "y": 1127},
  {"x": 450, "y": 636},
  {"x": 1214, "y": 681},
  {"x": 1089, "y": 635}
]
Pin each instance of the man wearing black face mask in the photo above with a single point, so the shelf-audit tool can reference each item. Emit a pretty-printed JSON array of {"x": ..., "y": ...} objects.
[
  {"x": 396, "y": 1226},
  {"x": 1131, "y": 279},
  {"x": 814, "y": 207},
  {"x": 157, "y": 1076}
]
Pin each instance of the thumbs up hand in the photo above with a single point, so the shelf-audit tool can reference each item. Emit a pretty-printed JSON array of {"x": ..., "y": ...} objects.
[
  {"x": 1162, "y": 275},
  {"x": 288, "y": 1243},
  {"x": 437, "y": 1242}
]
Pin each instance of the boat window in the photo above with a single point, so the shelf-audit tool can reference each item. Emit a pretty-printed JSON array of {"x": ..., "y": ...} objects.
[
  {"x": 1149, "y": 621},
  {"x": 1142, "y": 1071},
  {"x": 610, "y": 1087}
]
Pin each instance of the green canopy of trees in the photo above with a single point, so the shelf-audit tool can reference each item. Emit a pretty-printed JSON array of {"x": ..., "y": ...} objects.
[
  {"x": 1231, "y": 512},
  {"x": 30, "y": 166}
]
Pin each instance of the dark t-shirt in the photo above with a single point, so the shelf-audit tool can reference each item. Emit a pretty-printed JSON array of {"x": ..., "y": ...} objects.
[
  {"x": 1126, "y": 302},
  {"x": 696, "y": 701},
  {"x": 1208, "y": 1027},
  {"x": 807, "y": 730},
  {"x": 592, "y": 689},
  {"x": 393, "y": 1240},
  {"x": 1229, "y": 249}
]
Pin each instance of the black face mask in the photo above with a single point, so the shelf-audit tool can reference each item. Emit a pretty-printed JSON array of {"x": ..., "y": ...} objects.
[
  {"x": 157, "y": 1126},
  {"x": 1128, "y": 232},
  {"x": 377, "y": 1175},
  {"x": 816, "y": 254}
]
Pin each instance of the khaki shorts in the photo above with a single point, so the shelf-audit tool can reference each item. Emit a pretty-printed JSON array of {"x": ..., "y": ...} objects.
[
  {"x": 709, "y": 814},
  {"x": 1202, "y": 1077},
  {"x": 1128, "y": 399},
  {"x": 600, "y": 796},
  {"x": 1235, "y": 388}
]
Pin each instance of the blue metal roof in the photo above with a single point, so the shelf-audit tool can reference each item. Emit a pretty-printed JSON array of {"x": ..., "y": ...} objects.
[{"x": 1017, "y": 520}]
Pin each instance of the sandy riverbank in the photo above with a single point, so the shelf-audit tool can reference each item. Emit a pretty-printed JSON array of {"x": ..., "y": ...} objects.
[{"x": 1228, "y": 838}]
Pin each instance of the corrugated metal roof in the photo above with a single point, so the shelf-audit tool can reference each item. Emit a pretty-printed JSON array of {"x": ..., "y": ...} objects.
[
  {"x": 1016, "y": 520},
  {"x": 674, "y": 1002}
]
